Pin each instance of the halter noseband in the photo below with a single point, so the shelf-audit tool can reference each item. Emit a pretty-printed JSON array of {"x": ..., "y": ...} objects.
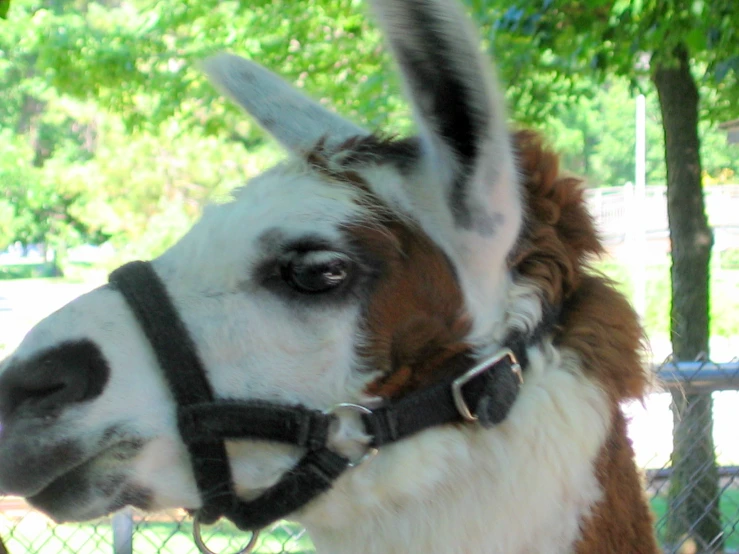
[{"x": 482, "y": 393}]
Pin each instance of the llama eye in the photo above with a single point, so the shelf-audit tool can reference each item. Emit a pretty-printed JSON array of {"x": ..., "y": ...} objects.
[{"x": 315, "y": 272}]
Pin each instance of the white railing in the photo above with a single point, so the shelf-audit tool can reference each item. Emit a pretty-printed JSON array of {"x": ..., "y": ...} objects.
[{"x": 615, "y": 208}]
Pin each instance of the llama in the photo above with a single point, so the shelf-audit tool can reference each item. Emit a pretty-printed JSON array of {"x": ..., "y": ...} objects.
[{"x": 395, "y": 342}]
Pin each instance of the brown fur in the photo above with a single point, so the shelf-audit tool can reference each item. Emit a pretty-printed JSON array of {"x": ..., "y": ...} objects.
[
  {"x": 414, "y": 319},
  {"x": 621, "y": 522},
  {"x": 558, "y": 237},
  {"x": 598, "y": 323},
  {"x": 601, "y": 326},
  {"x": 558, "y": 234}
]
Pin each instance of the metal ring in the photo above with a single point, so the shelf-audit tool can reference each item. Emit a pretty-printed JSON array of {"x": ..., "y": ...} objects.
[
  {"x": 370, "y": 451},
  {"x": 482, "y": 367},
  {"x": 200, "y": 543}
]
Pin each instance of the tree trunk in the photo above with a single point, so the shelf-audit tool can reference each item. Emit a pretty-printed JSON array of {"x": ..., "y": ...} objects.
[{"x": 693, "y": 515}]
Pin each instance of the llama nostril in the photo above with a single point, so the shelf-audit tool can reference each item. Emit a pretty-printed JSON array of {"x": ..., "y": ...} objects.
[
  {"x": 43, "y": 398},
  {"x": 70, "y": 373}
]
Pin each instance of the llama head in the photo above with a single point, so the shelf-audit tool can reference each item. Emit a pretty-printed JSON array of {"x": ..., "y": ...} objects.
[{"x": 350, "y": 272}]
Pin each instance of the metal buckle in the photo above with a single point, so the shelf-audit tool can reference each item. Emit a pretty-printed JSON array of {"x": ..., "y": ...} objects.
[
  {"x": 200, "y": 543},
  {"x": 369, "y": 451},
  {"x": 482, "y": 367}
]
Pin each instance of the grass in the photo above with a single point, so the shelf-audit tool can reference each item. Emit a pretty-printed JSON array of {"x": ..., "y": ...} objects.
[
  {"x": 26, "y": 271},
  {"x": 729, "y": 506},
  {"x": 724, "y": 297}
]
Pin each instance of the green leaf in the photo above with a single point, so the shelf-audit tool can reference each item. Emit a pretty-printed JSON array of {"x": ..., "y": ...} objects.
[
  {"x": 4, "y": 7},
  {"x": 696, "y": 39}
]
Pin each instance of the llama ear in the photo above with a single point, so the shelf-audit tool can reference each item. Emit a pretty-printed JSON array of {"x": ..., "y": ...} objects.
[
  {"x": 296, "y": 121},
  {"x": 457, "y": 107},
  {"x": 465, "y": 192}
]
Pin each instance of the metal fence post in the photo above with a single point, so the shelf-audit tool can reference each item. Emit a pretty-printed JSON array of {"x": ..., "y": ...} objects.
[{"x": 122, "y": 524}]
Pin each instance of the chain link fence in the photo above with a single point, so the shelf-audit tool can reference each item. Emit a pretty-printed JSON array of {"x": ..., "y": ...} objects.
[
  {"x": 695, "y": 493},
  {"x": 24, "y": 530},
  {"x": 693, "y": 488}
]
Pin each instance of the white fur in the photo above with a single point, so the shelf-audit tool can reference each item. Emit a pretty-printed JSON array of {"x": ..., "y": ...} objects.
[{"x": 522, "y": 487}]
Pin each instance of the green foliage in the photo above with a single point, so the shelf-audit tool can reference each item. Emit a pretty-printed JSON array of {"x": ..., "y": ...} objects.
[
  {"x": 151, "y": 186},
  {"x": 724, "y": 298},
  {"x": 38, "y": 204},
  {"x": 576, "y": 67},
  {"x": 140, "y": 58},
  {"x": 729, "y": 259},
  {"x": 110, "y": 128},
  {"x": 625, "y": 38},
  {"x": 27, "y": 271},
  {"x": 595, "y": 135}
]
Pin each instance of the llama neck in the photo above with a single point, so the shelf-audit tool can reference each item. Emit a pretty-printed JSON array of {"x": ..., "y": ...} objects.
[{"x": 523, "y": 486}]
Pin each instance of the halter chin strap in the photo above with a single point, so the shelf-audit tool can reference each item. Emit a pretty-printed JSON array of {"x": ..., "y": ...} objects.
[{"x": 482, "y": 393}]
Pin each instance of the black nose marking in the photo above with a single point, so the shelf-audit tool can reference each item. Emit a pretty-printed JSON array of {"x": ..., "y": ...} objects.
[{"x": 73, "y": 372}]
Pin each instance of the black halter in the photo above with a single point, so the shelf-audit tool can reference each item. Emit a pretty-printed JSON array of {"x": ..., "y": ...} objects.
[{"x": 484, "y": 393}]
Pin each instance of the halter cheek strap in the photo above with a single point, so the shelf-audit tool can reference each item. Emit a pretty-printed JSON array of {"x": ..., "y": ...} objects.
[
  {"x": 482, "y": 393},
  {"x": 184, "y": 372}
]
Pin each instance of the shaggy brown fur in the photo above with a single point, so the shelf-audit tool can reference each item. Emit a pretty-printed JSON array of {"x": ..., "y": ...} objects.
[
  {"x": 621, "y": 522},
  {"x": 558, "y": 238},
  {"x": 601, "y": 326},
  {"x": 558, "y": 234},
  {"x": 598, "y": 323}
]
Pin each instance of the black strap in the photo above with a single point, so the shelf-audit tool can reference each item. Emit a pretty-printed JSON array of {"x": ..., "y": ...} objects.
[
  {"x": 180, "y": 363},
  {"x": 490, "y": 397},
  {"x": 234, "y": 419},
  {"x": 204, "y": 423},
  {"x": 314, "y": 475}
]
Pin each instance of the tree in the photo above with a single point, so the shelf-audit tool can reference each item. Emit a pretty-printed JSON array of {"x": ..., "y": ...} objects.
[
  {"x": 70, "y": 172},
  {"x": 39, "y": 207},
  {"x": 594, "y": 135},
  {"x": 137, "y": 62},
  {"x": 140, "y": 58},
  {"x": 665, "y": 43}
]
